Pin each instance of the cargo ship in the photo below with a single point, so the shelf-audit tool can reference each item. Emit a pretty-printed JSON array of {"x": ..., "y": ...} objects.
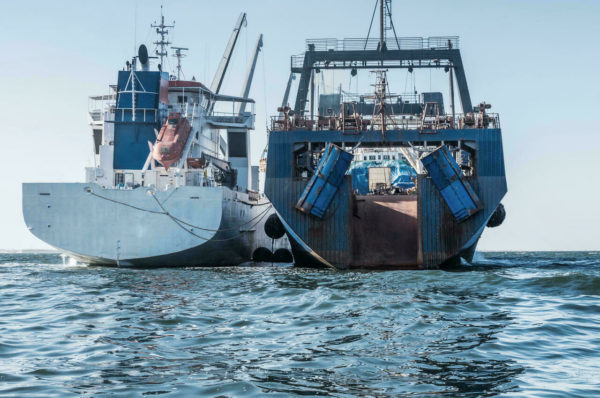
[
  {"x": 380, "y": 180},
  {"x": 172, "y": 183}
]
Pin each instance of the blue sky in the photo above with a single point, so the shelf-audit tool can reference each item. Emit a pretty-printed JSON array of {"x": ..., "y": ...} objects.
[{"x": 535, "y": 61}]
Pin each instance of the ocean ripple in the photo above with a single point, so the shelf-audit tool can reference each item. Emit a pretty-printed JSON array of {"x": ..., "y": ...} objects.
[{"x": 511, "y": 324}]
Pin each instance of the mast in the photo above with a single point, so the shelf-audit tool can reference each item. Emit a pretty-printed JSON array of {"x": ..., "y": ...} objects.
[
  {"x": 178, "y": 54},
  {"x": 385, "y": 23},
  {"x": 162, "y": 30},
  {"x": 132, "y": 77},
  {"x": 381, "y": 26}
]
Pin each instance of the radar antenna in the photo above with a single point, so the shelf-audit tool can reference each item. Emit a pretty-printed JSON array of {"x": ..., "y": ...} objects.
[
  {"x": 178, "y": 54},
  {"x": 161, "y": 29}
]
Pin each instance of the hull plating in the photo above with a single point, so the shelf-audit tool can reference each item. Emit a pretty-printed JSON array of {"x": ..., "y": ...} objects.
[
  {"x": 185, "y": 226},
  {"x": 352, "y": 234}
]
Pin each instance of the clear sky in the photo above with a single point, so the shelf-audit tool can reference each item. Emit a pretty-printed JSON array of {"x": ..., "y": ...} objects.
[{"x": 535, "y": 61}]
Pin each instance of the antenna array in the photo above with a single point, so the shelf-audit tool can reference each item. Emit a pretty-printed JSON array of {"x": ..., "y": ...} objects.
[
  {"x": 178, "y": 54},
  {"x": 162, "y": 30}
]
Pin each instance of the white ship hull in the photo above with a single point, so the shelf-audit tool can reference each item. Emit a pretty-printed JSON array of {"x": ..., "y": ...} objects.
[{"x": 184, "y": 226}]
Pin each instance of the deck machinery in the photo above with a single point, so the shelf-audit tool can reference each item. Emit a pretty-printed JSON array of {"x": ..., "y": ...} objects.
[{"x": 457, "y": 160}]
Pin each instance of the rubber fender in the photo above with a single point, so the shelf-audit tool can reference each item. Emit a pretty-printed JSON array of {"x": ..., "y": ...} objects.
[
  {"x": 273, "y": 227},
  {"x": 282, "y": 256},
  {"x": 262, "y": 254},
  {"x": 497, "y": 217}
]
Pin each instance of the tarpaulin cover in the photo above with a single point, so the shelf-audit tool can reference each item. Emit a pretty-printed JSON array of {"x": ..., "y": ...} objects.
[{"x": 402, "y": 174}]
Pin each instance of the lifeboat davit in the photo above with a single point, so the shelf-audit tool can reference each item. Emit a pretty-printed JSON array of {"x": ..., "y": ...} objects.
[{"x": 171, "y": 140}]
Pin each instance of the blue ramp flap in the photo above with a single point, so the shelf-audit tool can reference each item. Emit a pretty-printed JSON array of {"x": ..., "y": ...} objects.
[
  {"x": 449, "y": 180},
  {"x": 324, "y": 184}
]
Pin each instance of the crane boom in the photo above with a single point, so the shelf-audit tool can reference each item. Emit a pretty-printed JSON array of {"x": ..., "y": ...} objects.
[
  {"x": 215, "y": 87},
  {"x": 246, "y": 89},
  {"x": 286, "y": 95}
]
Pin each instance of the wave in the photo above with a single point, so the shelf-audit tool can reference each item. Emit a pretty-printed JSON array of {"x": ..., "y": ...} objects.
[{"x": 536, "y": 259}]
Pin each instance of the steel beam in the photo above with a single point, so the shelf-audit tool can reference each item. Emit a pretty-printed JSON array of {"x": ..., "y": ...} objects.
[
  {"x": 360, "y": 60},
  {"x": 377, "y": 65},
  {"x": 461, "y": 81}
]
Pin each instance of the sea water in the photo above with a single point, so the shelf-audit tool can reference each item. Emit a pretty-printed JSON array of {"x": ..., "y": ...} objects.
[{"x": 512, "y": 324}]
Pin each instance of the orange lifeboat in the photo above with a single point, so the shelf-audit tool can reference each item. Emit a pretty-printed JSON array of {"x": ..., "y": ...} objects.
[{"x": 171, "y": 140}]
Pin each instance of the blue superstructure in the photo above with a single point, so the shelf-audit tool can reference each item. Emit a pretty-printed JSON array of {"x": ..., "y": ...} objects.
[
  {"x": 140, "y": 110},
  {"x": 401, "y": 173}
]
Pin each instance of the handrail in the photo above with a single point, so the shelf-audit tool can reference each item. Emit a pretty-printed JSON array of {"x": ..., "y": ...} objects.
[
  {"x": 216, "y": 97},
  {"x": 403, "y": 122},
  {"x": 400, "y": 43},
  {"x": 372, "y": 44}
]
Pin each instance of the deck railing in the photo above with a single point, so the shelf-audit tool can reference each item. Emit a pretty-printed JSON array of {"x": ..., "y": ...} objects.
[
  {"x": 397, "y": 122},
  {"x": 401, "y": 43},
  {"x": 357, "y": 44},
  {"x": 99, "y": 104}
]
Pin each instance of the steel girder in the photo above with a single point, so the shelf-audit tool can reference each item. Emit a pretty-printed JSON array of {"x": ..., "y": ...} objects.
[{"x": 421, "y": 58}]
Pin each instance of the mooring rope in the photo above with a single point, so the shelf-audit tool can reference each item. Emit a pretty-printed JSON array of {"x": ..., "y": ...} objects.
[
  {"x": 165, "y": 212},
  {"x": 178, "y": 222},
  {"x": 206, "y": 229}
]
